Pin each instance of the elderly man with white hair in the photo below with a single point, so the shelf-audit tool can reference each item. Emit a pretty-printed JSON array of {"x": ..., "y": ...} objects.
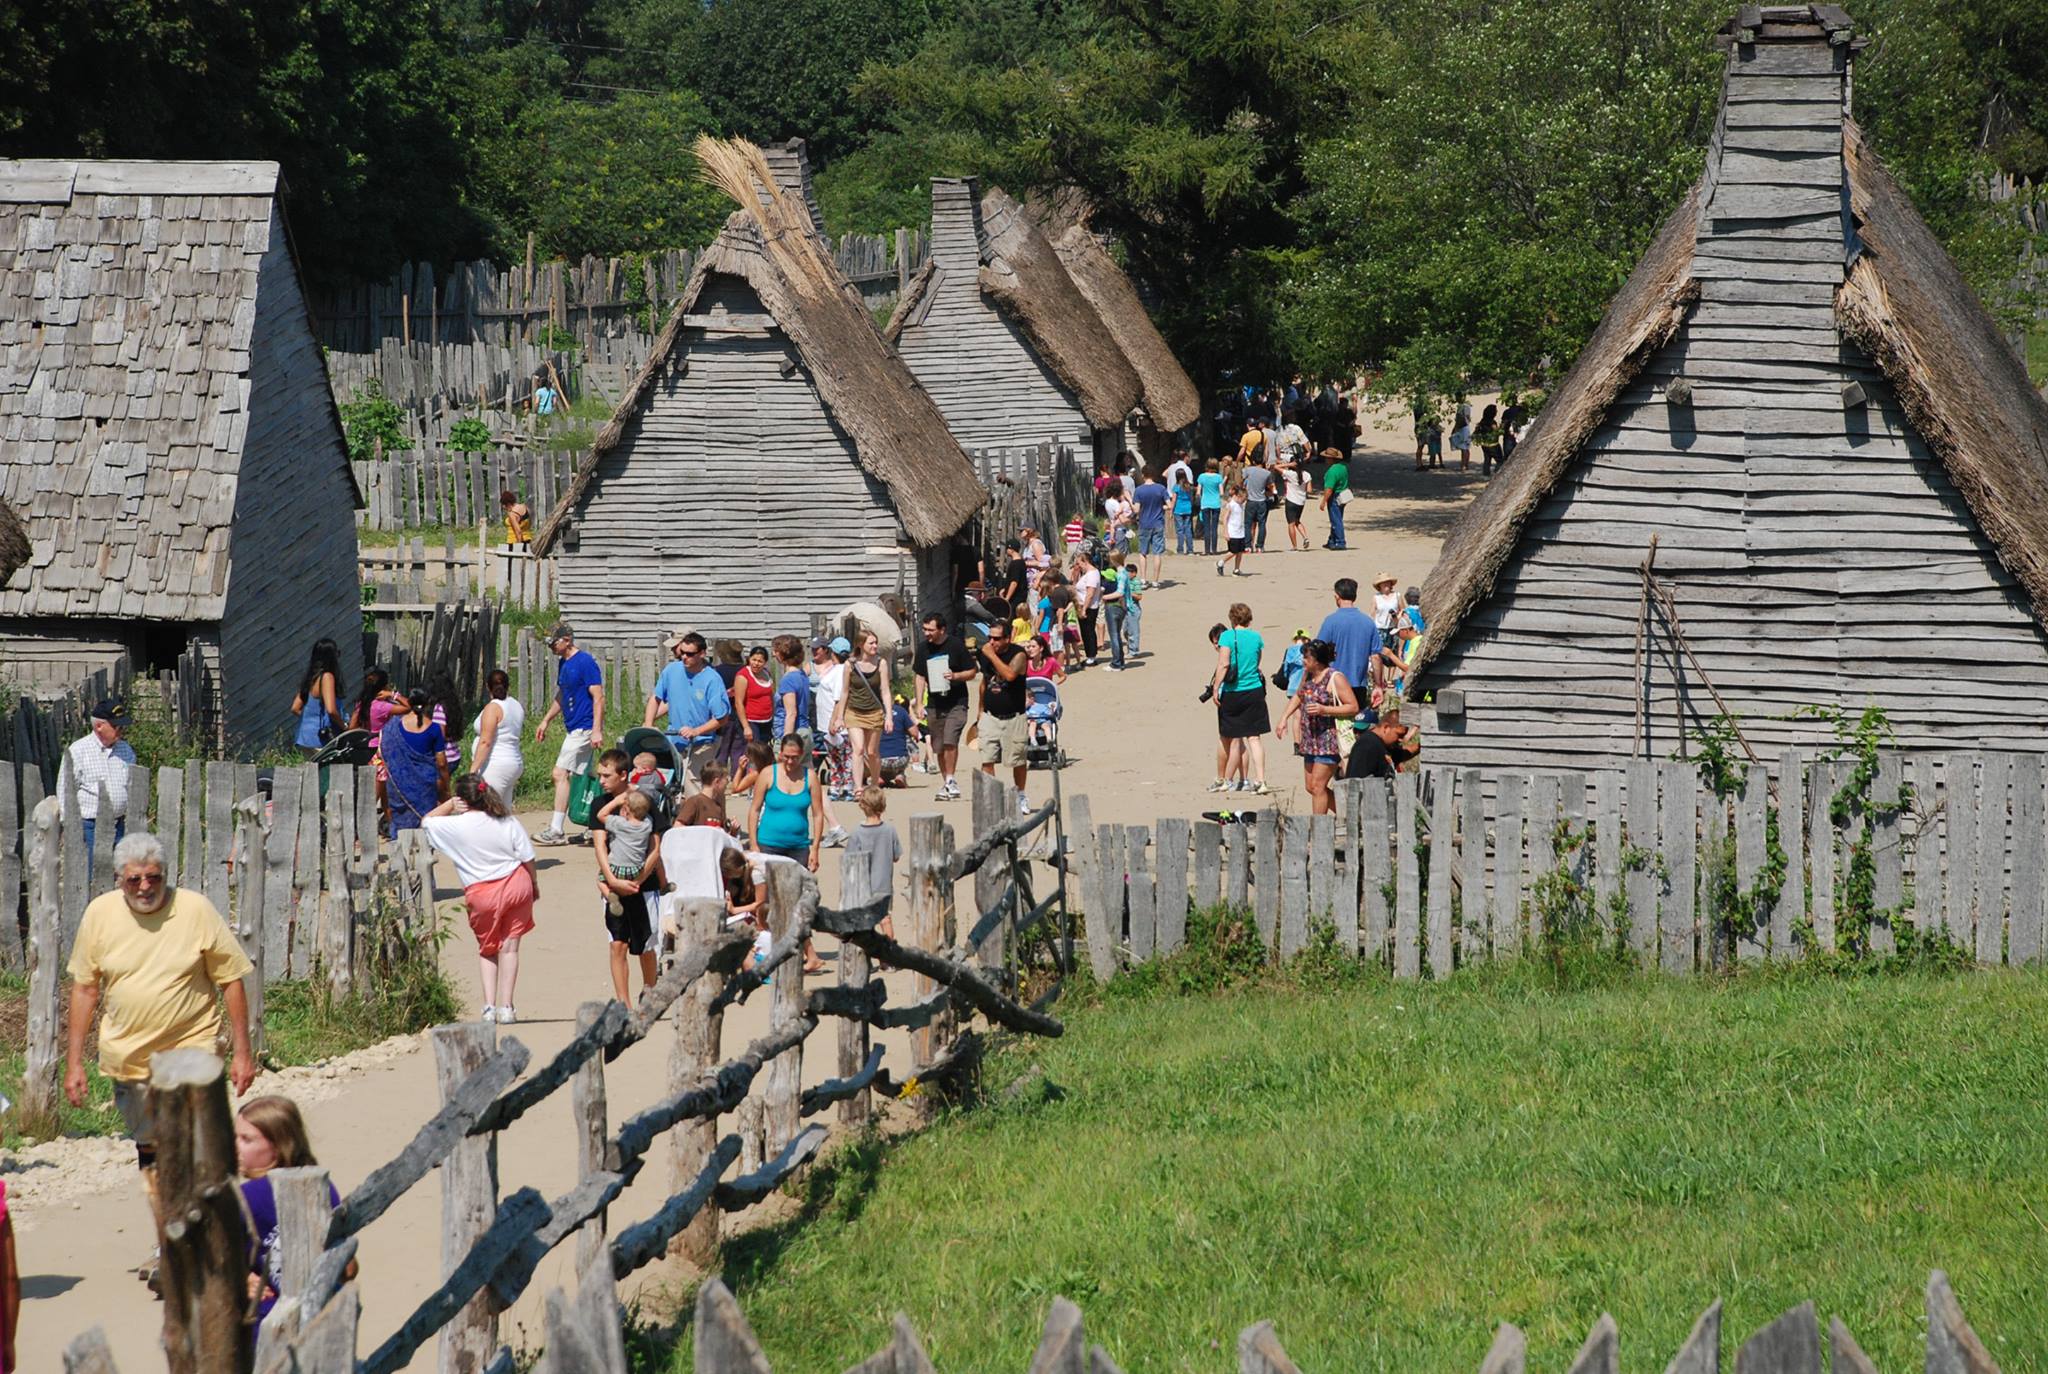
[{"x": 155, "y": 956}]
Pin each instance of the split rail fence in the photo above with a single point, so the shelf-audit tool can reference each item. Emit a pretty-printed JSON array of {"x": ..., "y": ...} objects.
[
  {"x": 1440, "y": 868},
  {"x": 411, "y": 576},
  {"x": 491, "y": 1245},
  {"x": 299, "y": 873}
]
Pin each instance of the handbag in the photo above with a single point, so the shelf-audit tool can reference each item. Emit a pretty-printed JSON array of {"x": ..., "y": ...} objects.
[
  {"x": 1344, "y": 497},
  {"x": 586, "y": 794}
]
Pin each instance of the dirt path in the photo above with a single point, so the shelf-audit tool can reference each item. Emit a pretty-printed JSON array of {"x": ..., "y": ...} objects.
[{"x": 1142, "y": 746}]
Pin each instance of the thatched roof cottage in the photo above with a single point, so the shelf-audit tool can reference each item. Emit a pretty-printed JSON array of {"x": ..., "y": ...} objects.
[
  {"x": 167, "y": 436},
  {"x": 1003, "y": 337},
  {"x": 1842, "y": 464},
  {"x": 1168, "y": 399},
  {"x": 773, "y": 457}
]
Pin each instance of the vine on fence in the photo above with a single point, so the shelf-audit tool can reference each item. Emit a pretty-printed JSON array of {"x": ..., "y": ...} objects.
[
  {"x": 1581, "y": 944},
  {"x": 1740, "y": 913},
  {"x": 1859, "y": 738}
]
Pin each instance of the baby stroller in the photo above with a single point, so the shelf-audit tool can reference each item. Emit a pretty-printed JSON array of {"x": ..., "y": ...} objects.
[
  {"x": 349, "y": 749},
  {"x": 1042, "y": 712},
  {"x": 645, "y": 739}
]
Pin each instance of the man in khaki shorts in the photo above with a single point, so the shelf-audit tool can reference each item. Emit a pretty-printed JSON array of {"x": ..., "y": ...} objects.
[
  {"x": 158, "y": 958},
  {"x": 1001, "y": 730}
]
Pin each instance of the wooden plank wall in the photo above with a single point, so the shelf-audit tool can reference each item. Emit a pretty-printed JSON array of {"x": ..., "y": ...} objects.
[
  {"x": 1817, "y": 551},
  {"x": 737, "y": 427},
  {"x": 1965, "y": 855},
  {"x": 992, "y": 388}
]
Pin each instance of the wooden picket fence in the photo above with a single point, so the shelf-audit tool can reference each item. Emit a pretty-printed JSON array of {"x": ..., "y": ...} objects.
[
  {"x": 1039, "y": 486},
  {"x": 723, "y": 1341},
  {"x": 490, "y": 1246},
  {"x": 437, "y": 486},
  {"x": 413, "y": 576},
  {"x": 1440, "y": 868},
  {"x": 300, "y": 874}
]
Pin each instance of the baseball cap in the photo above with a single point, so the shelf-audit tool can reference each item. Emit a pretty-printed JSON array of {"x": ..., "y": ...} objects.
[
  {"x": 560, "y": 633},
  {"x": 1302, "y": 633},
  {"x": 113, "y": 710},
  {"x": 839, "y": 645}
]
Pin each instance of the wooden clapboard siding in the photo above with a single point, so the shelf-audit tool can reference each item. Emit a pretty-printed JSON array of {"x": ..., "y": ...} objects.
[
  {"x": 993, "y": 389},
  {"x": 292, "y": 573},
  {"x": 733, "y": 504},
  {"x": 1817, "y": 552}
]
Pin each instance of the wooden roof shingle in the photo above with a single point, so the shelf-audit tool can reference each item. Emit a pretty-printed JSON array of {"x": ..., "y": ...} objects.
[{"x": 124, "y": 403}]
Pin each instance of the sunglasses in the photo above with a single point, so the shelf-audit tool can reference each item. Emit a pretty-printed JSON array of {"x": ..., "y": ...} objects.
[{"x": 142, "y": 880}]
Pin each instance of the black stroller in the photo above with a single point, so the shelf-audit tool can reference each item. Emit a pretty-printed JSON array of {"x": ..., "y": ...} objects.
[
  {"x": 668, "y": 799},
  {"x": 349, "y": 749}
]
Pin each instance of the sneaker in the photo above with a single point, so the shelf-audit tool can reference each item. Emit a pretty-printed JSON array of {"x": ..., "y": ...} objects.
[
  {"x": 1024, "y": 807},
  {"x": 550, "y": 836},
  {"x": 948, "y": 791},
  {"x": 1219, "y": 567},
  {"x": 834, "y": 837},
  {"x": 1262, "y": 789},
  {"x": 1239, "y": 785},
  {"x": 1218, "y": 786},
  {"x": 506, "y": 1016},
  {"x": 613, "y": 905},
  {"x": 490, "y": 1014},
  {"x": 1115, "y": 668}
]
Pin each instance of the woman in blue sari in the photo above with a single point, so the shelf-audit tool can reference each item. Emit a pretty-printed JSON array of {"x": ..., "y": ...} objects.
[{"x": 415, "y": 757}]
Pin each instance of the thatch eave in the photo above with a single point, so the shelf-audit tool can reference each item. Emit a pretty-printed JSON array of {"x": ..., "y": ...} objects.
[
  {"x": 1169, "y": 395},
  {"x": 1651, "y": 306}
]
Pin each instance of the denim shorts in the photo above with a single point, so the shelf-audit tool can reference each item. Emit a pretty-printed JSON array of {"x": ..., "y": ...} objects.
[
  {"x": 1330, "y": 759},
  {"x": 1152, "y": 541}
]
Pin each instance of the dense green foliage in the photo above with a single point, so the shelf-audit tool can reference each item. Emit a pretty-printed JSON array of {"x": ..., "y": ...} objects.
[
  {"x": 1444, "y": 192},
  {"x": 1389, "y": 1171}
]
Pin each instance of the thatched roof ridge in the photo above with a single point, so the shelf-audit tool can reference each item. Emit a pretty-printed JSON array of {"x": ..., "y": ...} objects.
[
  {"x": 1651, "y": 306},
  {"x": 1170, "y": 396},
  {"x": 1026, "y": 278},
  {"x": 898, "y": 433},
  {"x": 1965, "y": 391}
]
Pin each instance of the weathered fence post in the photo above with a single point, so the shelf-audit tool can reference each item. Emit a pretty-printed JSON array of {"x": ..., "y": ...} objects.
[
  {"x": 1265, "y": 840},
  {"x": 335, "y": 949},
  {"x": 1170, "y": 867},
  {"x": 1407, "y": 881},
  {"x": 251, "y": 829},
  {"x": 699, "y": 1030},
  {"x": 469, "y": 1198},
  {"x": 205, "y": 1238},
  {"x": 855, "y": 968},
  {"x": 39, "y": 1080},
  {"x": 782, "y": 1088},
  {"x": 931, "y": 907},
  {"x": 1291, "y": 884},
  {"x": 304, "y": 1204},
  {"x": 587, "y": 1110},
  {"x": 1443, "y": 820}
]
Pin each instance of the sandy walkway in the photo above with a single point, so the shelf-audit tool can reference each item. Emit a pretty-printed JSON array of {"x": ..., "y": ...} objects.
[{"x": 1142, "y": 747}]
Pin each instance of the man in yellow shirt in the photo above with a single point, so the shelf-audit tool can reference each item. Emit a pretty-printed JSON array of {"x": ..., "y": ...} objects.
[{"x": 156, "y": 955}]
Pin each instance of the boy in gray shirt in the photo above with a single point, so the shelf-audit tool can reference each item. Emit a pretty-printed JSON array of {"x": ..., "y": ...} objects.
[
  {"x": 629, "y": 839},
  {"x": 868, "y": 868}
]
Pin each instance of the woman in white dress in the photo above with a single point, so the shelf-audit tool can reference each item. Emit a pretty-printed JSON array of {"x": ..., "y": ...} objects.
[{"x": 497, "y": 732}]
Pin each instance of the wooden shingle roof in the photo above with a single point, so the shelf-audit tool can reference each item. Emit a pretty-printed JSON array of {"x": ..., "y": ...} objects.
[{"x": 127, "y": 305}]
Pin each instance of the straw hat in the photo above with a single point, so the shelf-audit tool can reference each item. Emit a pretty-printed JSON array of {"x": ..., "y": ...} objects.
[{"x": 1384, "y": 579}]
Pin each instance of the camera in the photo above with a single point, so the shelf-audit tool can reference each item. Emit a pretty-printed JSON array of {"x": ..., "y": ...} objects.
[{"x": 1207, "y": 693}]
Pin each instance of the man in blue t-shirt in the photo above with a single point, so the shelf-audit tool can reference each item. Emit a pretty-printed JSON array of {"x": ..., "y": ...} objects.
[
  {"x": 579, "y": 701},
  {"x": 693, "y": 697},
  {"x": 1356, "y": 640},
  {"x": 1151, "y": 497}
]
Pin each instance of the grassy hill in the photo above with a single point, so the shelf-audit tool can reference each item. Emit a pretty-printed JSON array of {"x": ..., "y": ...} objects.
[{"x": 1390, "y": 1171}]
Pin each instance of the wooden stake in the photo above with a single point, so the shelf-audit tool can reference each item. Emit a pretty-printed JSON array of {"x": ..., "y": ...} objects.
[
  {"x": 469, "y": 1197},
  {"x": 205, "y": 1236}
]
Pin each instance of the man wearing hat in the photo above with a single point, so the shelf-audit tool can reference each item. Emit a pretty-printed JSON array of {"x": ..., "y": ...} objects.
[
  {"x": 693, "y": 697},
  {"x": 101, "y": 758},
  {"x": 579, "y": 701}
]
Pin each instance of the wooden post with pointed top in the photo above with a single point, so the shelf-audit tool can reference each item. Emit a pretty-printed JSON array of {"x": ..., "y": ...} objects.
[{"x": 204, "y": 1233}]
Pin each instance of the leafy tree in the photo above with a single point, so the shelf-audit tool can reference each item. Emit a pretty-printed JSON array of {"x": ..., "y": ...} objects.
[
  {"x": 349, "y": 95},
  {"x": 1475, "y": 219},
  {"x": 371, "y": 420},
  {"x": 618, "y": 177}
]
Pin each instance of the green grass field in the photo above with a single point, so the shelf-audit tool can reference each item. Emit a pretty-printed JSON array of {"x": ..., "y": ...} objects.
[{"x": 1388, "y": 1172}]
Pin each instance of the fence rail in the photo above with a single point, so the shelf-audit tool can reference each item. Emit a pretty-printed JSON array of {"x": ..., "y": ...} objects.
[
  {"x": 1442, "y": 867},
  {"x": 490, "y": 1246}
]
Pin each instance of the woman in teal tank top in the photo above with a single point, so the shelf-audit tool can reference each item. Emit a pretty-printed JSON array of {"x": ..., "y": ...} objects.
[{"x": 789, "y": 815}]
